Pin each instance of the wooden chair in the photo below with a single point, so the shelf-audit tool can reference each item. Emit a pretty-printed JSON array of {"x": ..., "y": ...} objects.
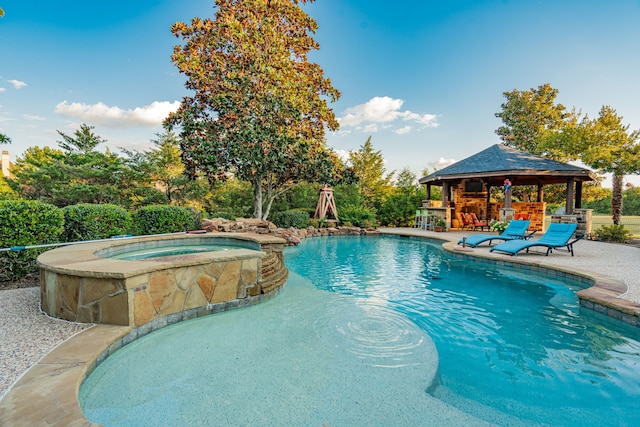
[
  {"x": 464, "y": 222},
  {"x": 477, "y": 224}
]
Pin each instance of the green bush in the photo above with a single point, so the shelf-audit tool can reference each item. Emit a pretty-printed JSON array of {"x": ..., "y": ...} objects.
[
  {"x": 399, "y": 210},
  {"x": 297, "y": 218},
  {"x": 359, "y": 216},
  {"x": 161, "y": 219},
  {"x": 612, "y": 233},
  {"x": 91, "y": 222},
  {"x": 26, "y": 223}
]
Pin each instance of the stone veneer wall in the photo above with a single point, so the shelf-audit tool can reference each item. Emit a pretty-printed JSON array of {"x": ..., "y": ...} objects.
[
  {"x": 535, "y": 210},
  {"x": 81, "y": 287}
]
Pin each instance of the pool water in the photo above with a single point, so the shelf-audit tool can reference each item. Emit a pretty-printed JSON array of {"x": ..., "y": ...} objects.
[
  {"x": 182, "y": 249},
  {"x": 382, "y": 331}
]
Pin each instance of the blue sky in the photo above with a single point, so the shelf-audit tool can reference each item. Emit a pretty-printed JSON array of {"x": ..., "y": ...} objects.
[{"x": 423, "y": 78}]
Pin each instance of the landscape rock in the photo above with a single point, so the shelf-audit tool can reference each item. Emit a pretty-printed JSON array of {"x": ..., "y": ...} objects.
[{"x": 293, "y": 236}]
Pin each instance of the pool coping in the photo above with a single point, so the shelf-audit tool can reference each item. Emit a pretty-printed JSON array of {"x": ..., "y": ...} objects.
[{"x": 47, "y": 394}]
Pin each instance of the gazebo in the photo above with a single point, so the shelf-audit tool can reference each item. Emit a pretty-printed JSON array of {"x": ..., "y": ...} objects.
[{"x": 466, "y": 184}]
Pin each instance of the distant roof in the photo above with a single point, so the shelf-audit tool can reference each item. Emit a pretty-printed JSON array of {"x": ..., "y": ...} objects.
[{"x": 499, "y": 162}]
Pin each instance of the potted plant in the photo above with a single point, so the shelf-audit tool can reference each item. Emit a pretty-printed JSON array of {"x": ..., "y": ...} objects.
[{"x": 439, "y": 224}]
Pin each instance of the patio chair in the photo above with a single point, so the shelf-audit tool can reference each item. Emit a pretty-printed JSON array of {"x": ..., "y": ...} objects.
[
  {"x": 517, "y": 229},
  {"x": 477, "y": 223},
  {"x": 464, "y": 222},
  {"x": 557, "y": 236}
]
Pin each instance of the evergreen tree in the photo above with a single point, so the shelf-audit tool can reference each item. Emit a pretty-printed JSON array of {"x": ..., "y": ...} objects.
[{"x": 368, "y": 166}]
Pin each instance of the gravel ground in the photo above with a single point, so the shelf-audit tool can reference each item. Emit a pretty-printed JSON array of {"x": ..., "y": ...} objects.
[{"x": 27, "y": 334}]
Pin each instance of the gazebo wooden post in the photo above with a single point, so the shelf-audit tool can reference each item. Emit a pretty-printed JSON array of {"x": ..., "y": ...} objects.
[
  {"x": 507, "y": 198},
  {"x": 579, "y": 195},
  {"x": 540, "y": 196},
  {"x": 570, "y": 195},
  {"x": 488, "y": 201},
  {"x": 428, "y": 191},
  {"x": 445, "y": 194}
]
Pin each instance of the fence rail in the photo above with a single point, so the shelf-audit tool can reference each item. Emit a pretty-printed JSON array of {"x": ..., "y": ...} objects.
[{"x": 631, "y": 223}]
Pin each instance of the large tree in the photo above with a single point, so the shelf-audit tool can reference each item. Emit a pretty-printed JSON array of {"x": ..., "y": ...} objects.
[
  {"x": 608, "y": 146},
  {"x": 259, "y": 108},
  {"x": 530, "y": 118},
  {"x": 4, "y": 139}
]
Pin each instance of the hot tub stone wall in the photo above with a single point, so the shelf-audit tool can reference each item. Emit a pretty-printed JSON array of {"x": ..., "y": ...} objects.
[
  {"x": 171, "y": 291},
  {"x": 78, "y": 286}
]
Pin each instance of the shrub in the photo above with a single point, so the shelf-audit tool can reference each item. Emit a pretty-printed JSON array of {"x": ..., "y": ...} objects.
[
  {"x": 160, "y": 219},
  {"x": 399, "y": 209},
  {"x": 296, "y": 218},
  {"x": 612, "y": 233},
  {"x": 91, "y": 222},
  {"x": 26, "y": 223},
  {"x": 359, "y": 216}
]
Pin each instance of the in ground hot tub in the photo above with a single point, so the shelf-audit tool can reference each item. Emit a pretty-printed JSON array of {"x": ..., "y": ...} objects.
[{"x": 136, "y": 281}]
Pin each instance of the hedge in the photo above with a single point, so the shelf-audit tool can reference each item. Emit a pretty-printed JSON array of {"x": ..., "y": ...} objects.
[
  {"x": 92, "y": 222},
  {"x": 26, "y": 223},
  {"x": 161, "y": 219},
  {"x": 296, "y": 218}
]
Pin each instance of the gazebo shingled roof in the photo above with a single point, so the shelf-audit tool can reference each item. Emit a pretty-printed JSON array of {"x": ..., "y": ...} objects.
[{"x": 498, "y": 162}]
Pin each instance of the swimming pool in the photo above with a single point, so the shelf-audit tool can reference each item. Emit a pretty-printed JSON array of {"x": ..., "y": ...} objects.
[{"x": 380, "y": 331}]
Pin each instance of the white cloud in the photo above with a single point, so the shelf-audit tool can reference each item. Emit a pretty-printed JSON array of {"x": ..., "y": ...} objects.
[
  {"x": 115, "y": 117},
  {"x": 383, "y": 109},
  {"x": 380, "y": 109},
  {"x": 17, "y": 84},
  {"x": 442, "y": 163},
  {"x": 403, "y": 130},
  {"x": 36, "y": 118},
  {"x": 343, "y": 154},
  {"x": 2, "y": 89},
  {"x": 428, "y": 120}
]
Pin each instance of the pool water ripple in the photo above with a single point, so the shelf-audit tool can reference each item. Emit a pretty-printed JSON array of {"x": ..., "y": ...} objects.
[{"x": 376, "y": 334}]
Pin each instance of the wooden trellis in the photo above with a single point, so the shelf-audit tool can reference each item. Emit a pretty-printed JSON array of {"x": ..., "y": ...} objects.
[{"x": 326, "y": 204}]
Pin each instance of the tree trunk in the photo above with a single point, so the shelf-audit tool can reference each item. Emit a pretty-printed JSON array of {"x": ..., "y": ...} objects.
[
  {"x": 616, "y": 198},
  {"x": 257, "y": 198}
]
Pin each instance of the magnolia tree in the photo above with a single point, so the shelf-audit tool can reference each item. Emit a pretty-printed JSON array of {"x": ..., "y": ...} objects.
[{"x": 259, "y": 107}]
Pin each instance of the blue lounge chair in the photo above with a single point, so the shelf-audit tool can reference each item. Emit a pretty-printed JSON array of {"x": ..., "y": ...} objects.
[
  {"x": 557, "y": 236},
  {"x": 515, "y": 230}
]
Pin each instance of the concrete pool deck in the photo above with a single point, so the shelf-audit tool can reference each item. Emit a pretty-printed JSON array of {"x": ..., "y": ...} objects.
[{"x": 46, "y": 383}]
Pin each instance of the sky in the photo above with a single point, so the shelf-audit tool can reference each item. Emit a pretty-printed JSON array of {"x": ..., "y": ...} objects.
[{"x": 422, "y": 78}]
